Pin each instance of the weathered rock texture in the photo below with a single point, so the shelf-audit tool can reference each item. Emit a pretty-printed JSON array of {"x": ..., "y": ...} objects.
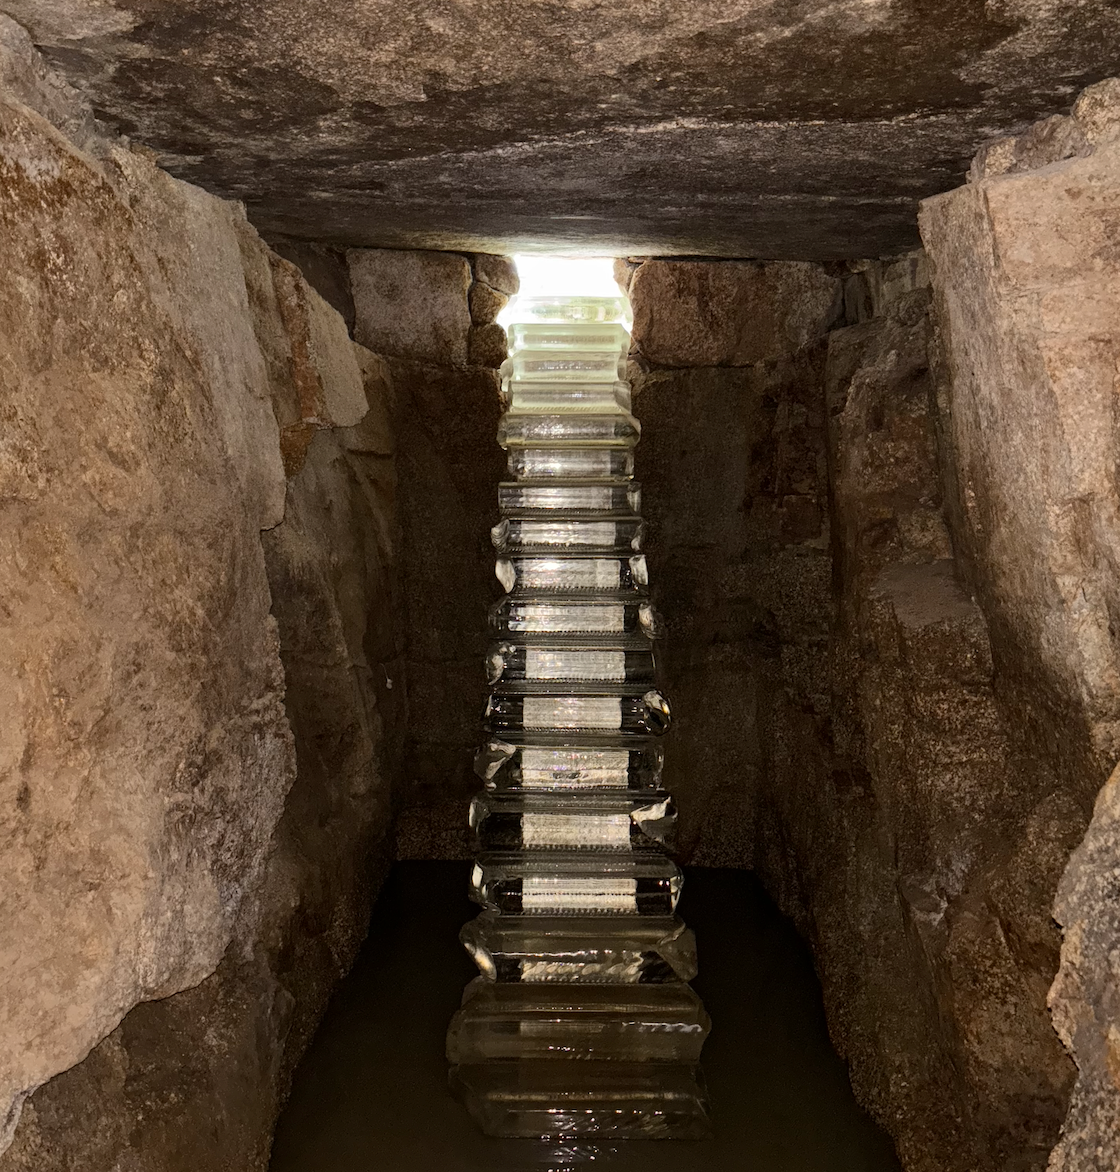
[
  {"x": 199, "y": 731},
  {"x": 1028, "y": 289},
  {"x": 734, "y": 474},
  {"x": 882, "y": 702},
  {"x": 731, "y": 314},
  {"x": 445, "y": 414},
  {"x": 912, "y": 846},
  {"x": 714, "y": 127}
]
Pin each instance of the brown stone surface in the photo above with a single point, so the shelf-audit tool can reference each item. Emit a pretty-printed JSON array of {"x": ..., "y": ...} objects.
[
  {"x": 194, "y": 1082},
  {"x": 730, "y": 314},
  {"x": 158, "y": 821},
  {"x": 499, "y": 272},
  {"x": 445, "y": 419},
  {"x": 449, "y": 465},
  {"x": 733, "y": 473},
  {"x": 931, "y": 844},
  {"x": 411, "y": 304},
  {"x": 324, "y": 269},
  {"x": 1027, "y": 284},
  {"x": 145, "y": 754},
  {"x": 1085, "y": 997},
  {"x": 715, "y": 127},
  {"x": 485, "y": 303},
  {"x": 486, "y": 345}
]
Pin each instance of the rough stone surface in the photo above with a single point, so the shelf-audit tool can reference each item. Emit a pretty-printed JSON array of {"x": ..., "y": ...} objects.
[
  {"x": 157, "y": 821},
  {"x": 194, "y": 1082},
  {"x": 733, "y": 469},
  {"x": 449, "y": 466},
  {"x": 445, "y": 419},
  {"x": 486, "y": 345},
  {"x": 499, "y": 272},
  {"x": 146, "y": 754},
  {"x": 324, "y": 269},
  {"x": 716, "y": 128},
  {"x": 839, "y": 720},
  {"x": 485, "y": 303},
  {"x": 1027, "y": 283},
  {"x": 1085, "y": 997},
  {"x": 930, "y": 845},
  {"x": 411, "y": 304},
  {"x": 730, "y": 314}
]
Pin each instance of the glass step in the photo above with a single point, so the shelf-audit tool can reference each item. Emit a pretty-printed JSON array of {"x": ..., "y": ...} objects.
[
  {"x": 536, "y": 663},
  {"x": 621, "y": 534},
  {"x": 549, "y": 1099},
  {"x": 570, "y": 463},
  {"x": 565, "y": 615},
  {"x": 645, "y": 713},
  {"x": 530, "y": 430},
  {"x": 565, "y": 573},
  {"x": 565, "y": 366},
  {"x": 530, "y": 398},
  {"x": 572, "y": 497},
  {"x": 572, "y": 309},
  {"x": 503, "y": 822},
  {"x": 570, "y": 883},
  {"x": 588, "y": 949},
  {"x": 568, "y": 336},
  {"x": 534, "y": 767},
  {"x": 568, "y": 1022}
]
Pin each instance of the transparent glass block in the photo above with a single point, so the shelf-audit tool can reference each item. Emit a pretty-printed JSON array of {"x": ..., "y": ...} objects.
[
  {"x": 577, "y": 430},
  {"x": 569, "y": 336},
  {"x": 634, "y": 1023},
  {"x": 566, "y": 398},
  {"x": 616, "y": 533},
  {"x": 511, "y": 767},
  {"x": 547, "y": 1099},
  {"x": 589, "y": 949},
  {"x": 526, "y": 572},
  {"x": 512, "y": 663},
  {"x": 646, "y": 714},
  {"x": 568, "y": 497},
  {"x": 565, "y": 366},
  {"x": 571, "y": 309},
  {"x": 572, "y": 615},
  {"x": 564, "y": 463},
  {"x": 559, "y": 883},
  {"x": 577, "y": 821}
]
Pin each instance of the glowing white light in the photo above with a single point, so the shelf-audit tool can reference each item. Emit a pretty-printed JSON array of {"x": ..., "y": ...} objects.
[{"x": 563, "y": 276}]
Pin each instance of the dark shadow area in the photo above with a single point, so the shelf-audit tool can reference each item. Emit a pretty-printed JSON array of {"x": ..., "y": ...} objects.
[{"x": 372, "y": 1091}]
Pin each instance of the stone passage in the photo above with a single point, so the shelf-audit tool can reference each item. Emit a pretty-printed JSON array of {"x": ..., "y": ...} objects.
[{"x": 581, "y": 954}]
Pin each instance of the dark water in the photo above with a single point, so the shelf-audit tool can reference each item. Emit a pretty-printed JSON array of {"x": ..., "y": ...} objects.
[{"x": 371, "y": 1094}]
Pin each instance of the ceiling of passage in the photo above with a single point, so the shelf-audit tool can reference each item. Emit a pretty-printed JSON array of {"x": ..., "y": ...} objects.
[{"x": 761, "y": 128}]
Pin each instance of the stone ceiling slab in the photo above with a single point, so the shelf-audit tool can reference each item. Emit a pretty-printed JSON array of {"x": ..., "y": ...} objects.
[{"x": 764, "y": 128}]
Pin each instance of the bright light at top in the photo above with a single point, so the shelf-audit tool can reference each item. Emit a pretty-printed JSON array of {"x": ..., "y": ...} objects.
[
  {"x": 552, "y": 276},
  {"x": 562, "y": 276}
]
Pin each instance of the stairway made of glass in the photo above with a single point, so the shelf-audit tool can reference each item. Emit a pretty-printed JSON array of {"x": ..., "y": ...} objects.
[{"x": 582, "y": 1022}]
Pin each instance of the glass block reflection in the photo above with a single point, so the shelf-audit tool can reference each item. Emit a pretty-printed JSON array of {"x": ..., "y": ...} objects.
[{"x": 581, "y": 1023}]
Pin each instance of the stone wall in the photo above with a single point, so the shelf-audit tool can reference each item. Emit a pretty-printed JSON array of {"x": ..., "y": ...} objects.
[
  {"x": 200, "y": 729},
  {"x": 733, "y": 466},
  {"x": 432, "y": 314},
  {"x": 882, "y": 702},
  {"x": 1027, "y": 283}
]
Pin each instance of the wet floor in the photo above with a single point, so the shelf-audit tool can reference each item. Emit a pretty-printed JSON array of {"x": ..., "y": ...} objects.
[{"x": 371, "y": 1094}]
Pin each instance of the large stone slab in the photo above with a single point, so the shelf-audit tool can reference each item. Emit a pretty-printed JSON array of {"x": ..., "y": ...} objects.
[
  {"x": 1028, "y": 282},
  {"x": 411, "y": 304},
  {"x": 709, "y": 128},
  {"x": 734, "y": 313},
  {"x": 144, "y": 753}
]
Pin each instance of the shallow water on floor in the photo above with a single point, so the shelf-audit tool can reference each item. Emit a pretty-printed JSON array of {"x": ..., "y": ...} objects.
[{"x": 371, "y": 1094}]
